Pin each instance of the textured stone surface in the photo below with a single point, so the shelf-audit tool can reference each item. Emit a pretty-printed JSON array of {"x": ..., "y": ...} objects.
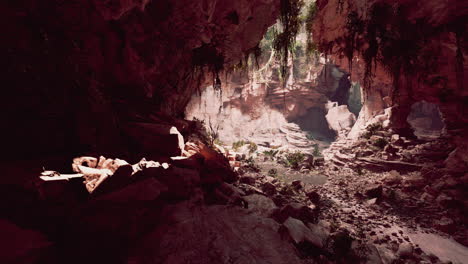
[
  {"x": 445, "y": 32},
  {"x": 213, "y": 234},
  {"x": 77, "y": 70}
]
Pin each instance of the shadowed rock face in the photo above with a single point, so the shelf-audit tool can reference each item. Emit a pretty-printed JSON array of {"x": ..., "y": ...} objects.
[
  {"x": 440, "y": 25},
  {"x": 403, "y": 52},
  {"x": 76, "y": 70}
]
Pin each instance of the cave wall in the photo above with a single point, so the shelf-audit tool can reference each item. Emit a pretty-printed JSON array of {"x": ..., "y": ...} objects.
[
  {"x": 402, "y": 52},
  {"x": 75, "y": 71}
]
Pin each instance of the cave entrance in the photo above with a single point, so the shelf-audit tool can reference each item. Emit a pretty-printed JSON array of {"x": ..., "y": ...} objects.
[{"x": 426, "y": 120}]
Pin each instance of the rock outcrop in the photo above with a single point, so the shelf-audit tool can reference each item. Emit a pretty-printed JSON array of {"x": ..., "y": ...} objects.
[{"x": 402, "y": 52}]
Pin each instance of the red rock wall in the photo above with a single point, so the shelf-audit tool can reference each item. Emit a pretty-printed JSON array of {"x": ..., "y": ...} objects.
[
  {"x": 74, "y": 71},
  {"x": 420, "y": 53}
]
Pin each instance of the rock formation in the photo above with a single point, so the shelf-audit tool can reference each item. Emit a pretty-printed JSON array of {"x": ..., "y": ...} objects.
[
  {"x": 254, "y": 105},
  {"x": 403, "y": 52}
]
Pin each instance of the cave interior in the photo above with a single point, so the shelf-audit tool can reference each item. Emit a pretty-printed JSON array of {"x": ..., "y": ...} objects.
[{"x": 247, "y": 131}]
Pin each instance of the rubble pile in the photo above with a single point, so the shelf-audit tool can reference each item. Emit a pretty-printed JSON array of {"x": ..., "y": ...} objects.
[
  {"x": 379, "y": 212},
  {"x": 415, "y": 175}
]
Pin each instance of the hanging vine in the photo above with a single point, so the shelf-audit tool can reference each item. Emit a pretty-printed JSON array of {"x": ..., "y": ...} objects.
[
  {"x": 312, "y": 48},
  {"x": 284, "y": 40}
]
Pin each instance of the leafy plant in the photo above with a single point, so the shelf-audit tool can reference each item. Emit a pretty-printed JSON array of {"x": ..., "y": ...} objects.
[
  {"x": 293, "y": 159},
  {"x": 217, "y": 141},
  {"x": 252, "y": 147},
  {"x": 316, "y": 152},
  {"x": 251, "y": 165},
  {"x": 284, "y": 40},
  {"x": 236, "y": 145},
  {"x": 312, "y": 48},
  {"x": 199, "y": 129},
  {"x": 270, "y": 153},
  {"x": 213, "y": 133}
]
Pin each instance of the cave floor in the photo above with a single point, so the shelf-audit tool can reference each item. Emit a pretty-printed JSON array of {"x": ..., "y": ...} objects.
[{"x": 385, "y": 221}]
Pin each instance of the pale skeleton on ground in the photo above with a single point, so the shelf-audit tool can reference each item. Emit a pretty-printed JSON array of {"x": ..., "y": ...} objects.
[{"x": 97, "y": 171}]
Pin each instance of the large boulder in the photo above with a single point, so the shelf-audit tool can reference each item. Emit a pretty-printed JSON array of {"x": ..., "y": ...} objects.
[
  {"x": 260, "y": 204},
  {"x": 339, "y": 118},
  {"x": 214, "y": 234}
]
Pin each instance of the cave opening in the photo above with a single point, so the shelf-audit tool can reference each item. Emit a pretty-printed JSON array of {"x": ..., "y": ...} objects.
[{"x": 426, "y": 120}]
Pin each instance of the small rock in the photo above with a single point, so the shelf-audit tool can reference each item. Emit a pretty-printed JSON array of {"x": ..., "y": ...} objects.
[
  {"x": 444, "y": 200},
  {"x": 390, "y": 149},
  {"x": 269, "y": 188},
  {"x": 374, "y": 191},
  {"x": 314, "y": 197},
  {"x": 320, "y": 232},
  {"x": 445, "y": 224},
  {"x": 405, "y": 250},
  {"x": 393, "y": 177},
  {"x": 297, "y": 185},
  {"x": 371, "y": 201},
  {"x": 395, "y": 137},
  {"x": 270, "y": 179},
  {"x": 299, "y": 232},
  {"x": 260, "y": 204},
  {"x": 247, "y": 180},
  {"x": 386, "y": 255}
]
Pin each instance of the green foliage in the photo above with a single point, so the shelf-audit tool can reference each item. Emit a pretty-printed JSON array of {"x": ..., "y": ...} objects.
[
  {"x": 252, "y": 147},
  {"x": 273, "y": 173},
  {"x": 266, "y": 44},
  {"x": 380, "y": 143},
  {"x": 311, "y": 14},
  {"x": 199, "y": 129},
  {"x": 316, "y": 152},
  {"x": 270, "y": 153},
  {"x": 293, "y": 159},
  {"x": 284, "y": 40},
  {"x": 217, "y": 141},
  {"x": 386, "y": 36},
  {"x": 236, "y": 145},
  {"x": 312, "y": 48},
  {"x": 252, "y": 165}
]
